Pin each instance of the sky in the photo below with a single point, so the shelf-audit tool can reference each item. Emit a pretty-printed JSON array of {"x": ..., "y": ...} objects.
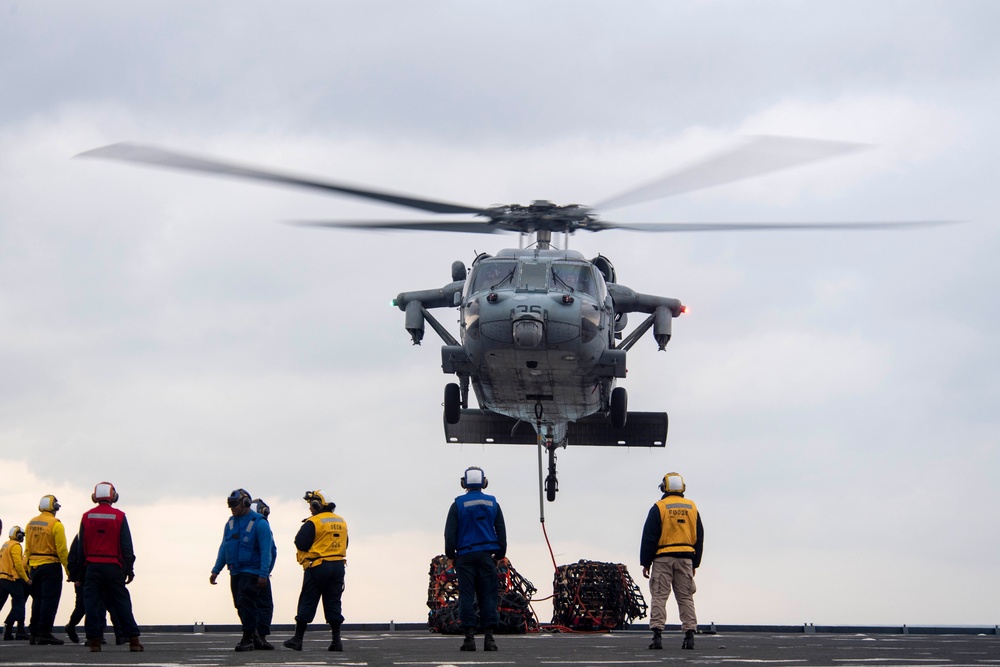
[{"x": 832, "y": 395}]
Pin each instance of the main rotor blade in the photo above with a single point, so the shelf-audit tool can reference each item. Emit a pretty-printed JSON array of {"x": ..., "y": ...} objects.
[
  {"x": 159, "y": 157},
  {"x": 758, "y": 226},
  {"x": 467, "y": 226},
  {"x": 756, "y": 157}
]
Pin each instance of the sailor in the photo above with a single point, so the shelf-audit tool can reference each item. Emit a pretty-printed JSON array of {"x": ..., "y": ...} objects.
[
  {"x": 321, "y": 545},
  {"x": 47, "y": 557},
  {"x": 77, "y": 572},
  {"x": 475, "y": 536},
  {"x": 246, "y": 551},
  {"x": 104, "y": 545},
  {"x": 265, "y": 600},
  {"x": 14, "y": 582},
  {"x": 670, "y": 553}
]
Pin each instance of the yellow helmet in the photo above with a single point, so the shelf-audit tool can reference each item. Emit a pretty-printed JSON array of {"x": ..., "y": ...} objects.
[
  {"x": 16, "y": 533},
  {"x": 672, "y": 483},
  {"x": 318, "y": 502},
  {"x": 48, "y": 504}
]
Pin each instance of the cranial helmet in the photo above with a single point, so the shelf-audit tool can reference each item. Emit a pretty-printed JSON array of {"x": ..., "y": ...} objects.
[
  {"x": 239, "y": 497},
  {"x": 474, "y": 478},
  {"x": 48, "y": 504},
  {"x": 260, "y": 507},
  {"x": 672, "y": 483},
  {"x": 104, "y": 491},
  {"x": 16, "y": 533},
  {"x": 318, "y": 502}
]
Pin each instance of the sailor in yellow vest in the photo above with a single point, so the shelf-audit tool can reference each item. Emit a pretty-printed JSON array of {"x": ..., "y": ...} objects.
[
  {"x": 47, "y": 556},
  {"x": 321, "y": 549},
  {"x": 14, "y": 583},
  {"x": 670, "y": 553}
]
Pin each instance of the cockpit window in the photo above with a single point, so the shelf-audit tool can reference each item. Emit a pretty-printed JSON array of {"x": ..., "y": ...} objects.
[
  {"x": 492, "y": 274},
  {"x": 534, "y": 276},
  {"x": 573, "y": 278}
]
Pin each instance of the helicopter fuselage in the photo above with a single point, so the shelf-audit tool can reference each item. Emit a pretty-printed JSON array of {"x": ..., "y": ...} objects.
[
  {"x": 538, "y": 329},
  {"x": 535, "y": 325}
]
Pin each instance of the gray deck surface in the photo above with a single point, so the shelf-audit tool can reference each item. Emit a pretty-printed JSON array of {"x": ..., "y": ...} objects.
[{"x": 419, "y": 648}]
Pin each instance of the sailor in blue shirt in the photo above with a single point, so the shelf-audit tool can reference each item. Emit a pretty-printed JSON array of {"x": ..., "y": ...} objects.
[
  {"x": 246, "y": 550},
  {"x": 475, "y": 536}
]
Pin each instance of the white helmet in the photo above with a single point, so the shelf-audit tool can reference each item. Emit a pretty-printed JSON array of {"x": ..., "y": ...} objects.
[
  {"x": 672, "y": 483},
  {"x": 474, "y": 478},
  {"x": 48, "y": 504}
]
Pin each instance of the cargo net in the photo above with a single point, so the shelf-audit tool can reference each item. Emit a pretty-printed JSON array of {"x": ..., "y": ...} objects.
[
  {"x": 592, "y": 596},
  {"x": 514, "y": 590}
]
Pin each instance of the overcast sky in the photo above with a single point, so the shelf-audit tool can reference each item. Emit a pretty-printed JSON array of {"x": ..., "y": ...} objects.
[{"x": 832, "y": 395}]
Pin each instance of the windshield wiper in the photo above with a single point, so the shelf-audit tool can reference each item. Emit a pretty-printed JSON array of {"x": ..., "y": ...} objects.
[{"x": 559, "y": 280}]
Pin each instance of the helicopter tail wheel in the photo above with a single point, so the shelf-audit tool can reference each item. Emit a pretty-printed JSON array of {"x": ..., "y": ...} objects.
[
  {"x": 619, "y": 407},
  {"x": 452, "y": 403}
]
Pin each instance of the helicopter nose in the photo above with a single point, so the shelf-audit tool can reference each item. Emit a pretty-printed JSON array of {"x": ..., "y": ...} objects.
[{"x": 528, "y": 334}]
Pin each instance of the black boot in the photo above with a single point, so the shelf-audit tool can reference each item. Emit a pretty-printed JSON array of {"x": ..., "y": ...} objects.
[
  {"x": 335, "y": 643},
  {"x": 71, "y": 633},
  {"x": 657, "y": 640},
  {"x": 295, "y": 643},
  {"x": 8, "y": 632},
  {"x": 688, "y": 639},
  {"x": 246, "y": 643},
  {"x": 260, "y": 643},
  {"x": 21, "y": 634},
  {"x": 489, "y": 644},
  {"x": 48, "y": 639},
  {"x": 470, "y": 641}
]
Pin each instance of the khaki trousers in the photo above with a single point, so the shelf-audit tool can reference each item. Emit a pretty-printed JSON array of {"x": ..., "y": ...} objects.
[{"x": 678, "y": 573}]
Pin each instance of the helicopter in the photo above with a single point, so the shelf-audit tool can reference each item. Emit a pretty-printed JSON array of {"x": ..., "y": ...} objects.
[{"x": 542, "y": 330}]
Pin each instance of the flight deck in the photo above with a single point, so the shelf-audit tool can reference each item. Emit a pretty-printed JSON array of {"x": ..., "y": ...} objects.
[{"x": 967, "y": 647}]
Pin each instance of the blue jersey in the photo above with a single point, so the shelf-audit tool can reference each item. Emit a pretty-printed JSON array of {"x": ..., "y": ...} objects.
[
  {"x": 247, "y": 546},
  {"x": 477, "y": 515}
]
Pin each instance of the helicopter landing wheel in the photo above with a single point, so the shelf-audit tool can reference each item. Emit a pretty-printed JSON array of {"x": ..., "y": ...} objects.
[
  {"x": 551, "y": 483},
  {"x": 619, "y": 407},
  {"x": 452, "y": 403},
  {"x": 551, "y": 486}
]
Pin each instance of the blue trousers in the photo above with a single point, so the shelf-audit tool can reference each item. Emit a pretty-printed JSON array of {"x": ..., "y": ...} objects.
[
  {"x": 104, "y": 590},
  {"x": 265, "y": 610},
  {"x": 477, "y": 579},
  {"x": 245, "y": 592},
  {"x": 18, "y": 593},
  {"x": 326, "y": 581},
  {"x": 46, "y": 589}
]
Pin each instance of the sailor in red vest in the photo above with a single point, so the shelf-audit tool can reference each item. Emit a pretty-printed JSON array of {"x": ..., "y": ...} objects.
[{"x": 105, "y": 545}]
